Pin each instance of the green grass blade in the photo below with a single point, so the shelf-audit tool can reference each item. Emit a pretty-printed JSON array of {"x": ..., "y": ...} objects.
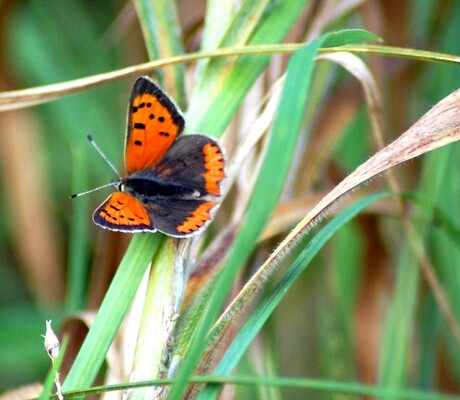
[
  {"x": 162, "y": 37},
  {"x": 268, "y": 188},
  {"x": 228, "y": 95},
  {"x": 50, "y": 380},
  {"x": 258, "y": 318},
  {"x": 112, "y": 311},
  {"x": 321, "y": 386},
  {"x": 213, "y": 71},
  {"x": 402, "y": 312},
  {"x": 163, "y": 287},
  {"x": 214, "y": 114},
  {"x": 218, "y": 17}
]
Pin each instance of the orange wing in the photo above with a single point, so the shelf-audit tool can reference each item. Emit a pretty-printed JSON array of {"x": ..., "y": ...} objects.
[
  {"x": 124, "y": 213},
  {"x": 214, "y": 167},
  {"x": 198, "y": 218},
  {"x": 154, "y": 122}
]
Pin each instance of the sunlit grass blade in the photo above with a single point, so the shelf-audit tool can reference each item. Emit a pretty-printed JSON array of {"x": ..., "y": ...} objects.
[
  {"x": 212, "y": 71},
  {"x": 112, "y": 311},
  {"x": 402, "y": 52},
  {"x": 14, "y": 99},
  {"x": 162, "y": 37},
  {"x": 218, "y": 17},
  {"x": 262, "y": 312},
  {"x": 158, "y": 315},
  {"x": 214, "y": 115}
]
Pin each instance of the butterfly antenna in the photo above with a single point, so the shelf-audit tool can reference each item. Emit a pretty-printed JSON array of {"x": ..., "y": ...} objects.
[
  {"x": 91, "y": 140},
  {"x": 93, "y": 190}
]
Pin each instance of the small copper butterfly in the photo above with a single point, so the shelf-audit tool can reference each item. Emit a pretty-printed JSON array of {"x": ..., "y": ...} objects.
[{"x": 173, "y": 182}]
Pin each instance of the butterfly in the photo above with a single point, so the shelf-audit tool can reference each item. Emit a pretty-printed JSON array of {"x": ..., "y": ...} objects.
[{"x": 173, "y": 181}]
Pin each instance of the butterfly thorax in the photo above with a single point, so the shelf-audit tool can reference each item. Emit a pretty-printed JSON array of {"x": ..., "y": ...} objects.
[{"x": 147, "y": 187}]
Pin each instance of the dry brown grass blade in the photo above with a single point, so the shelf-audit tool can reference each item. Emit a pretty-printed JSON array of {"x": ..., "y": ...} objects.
[
  {"x": 288, "y": 213},
  {"x": 15, "y": 99},
  {"x": 438, "y": 127},
  {"x": 328, "y": 131},
  {"x": 208, "y": 264}
]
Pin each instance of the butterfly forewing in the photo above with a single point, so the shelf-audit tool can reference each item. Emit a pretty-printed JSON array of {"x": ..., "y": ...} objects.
[{"x": 154, "y": 122}]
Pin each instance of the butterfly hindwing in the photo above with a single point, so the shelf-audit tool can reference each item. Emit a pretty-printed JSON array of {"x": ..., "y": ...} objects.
[
  {"x": 154, "y": 122},
  {"x": 180, "y": 218},
  {"x": 195, "y": 161},
  {"x": 122, "y": 212}
]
